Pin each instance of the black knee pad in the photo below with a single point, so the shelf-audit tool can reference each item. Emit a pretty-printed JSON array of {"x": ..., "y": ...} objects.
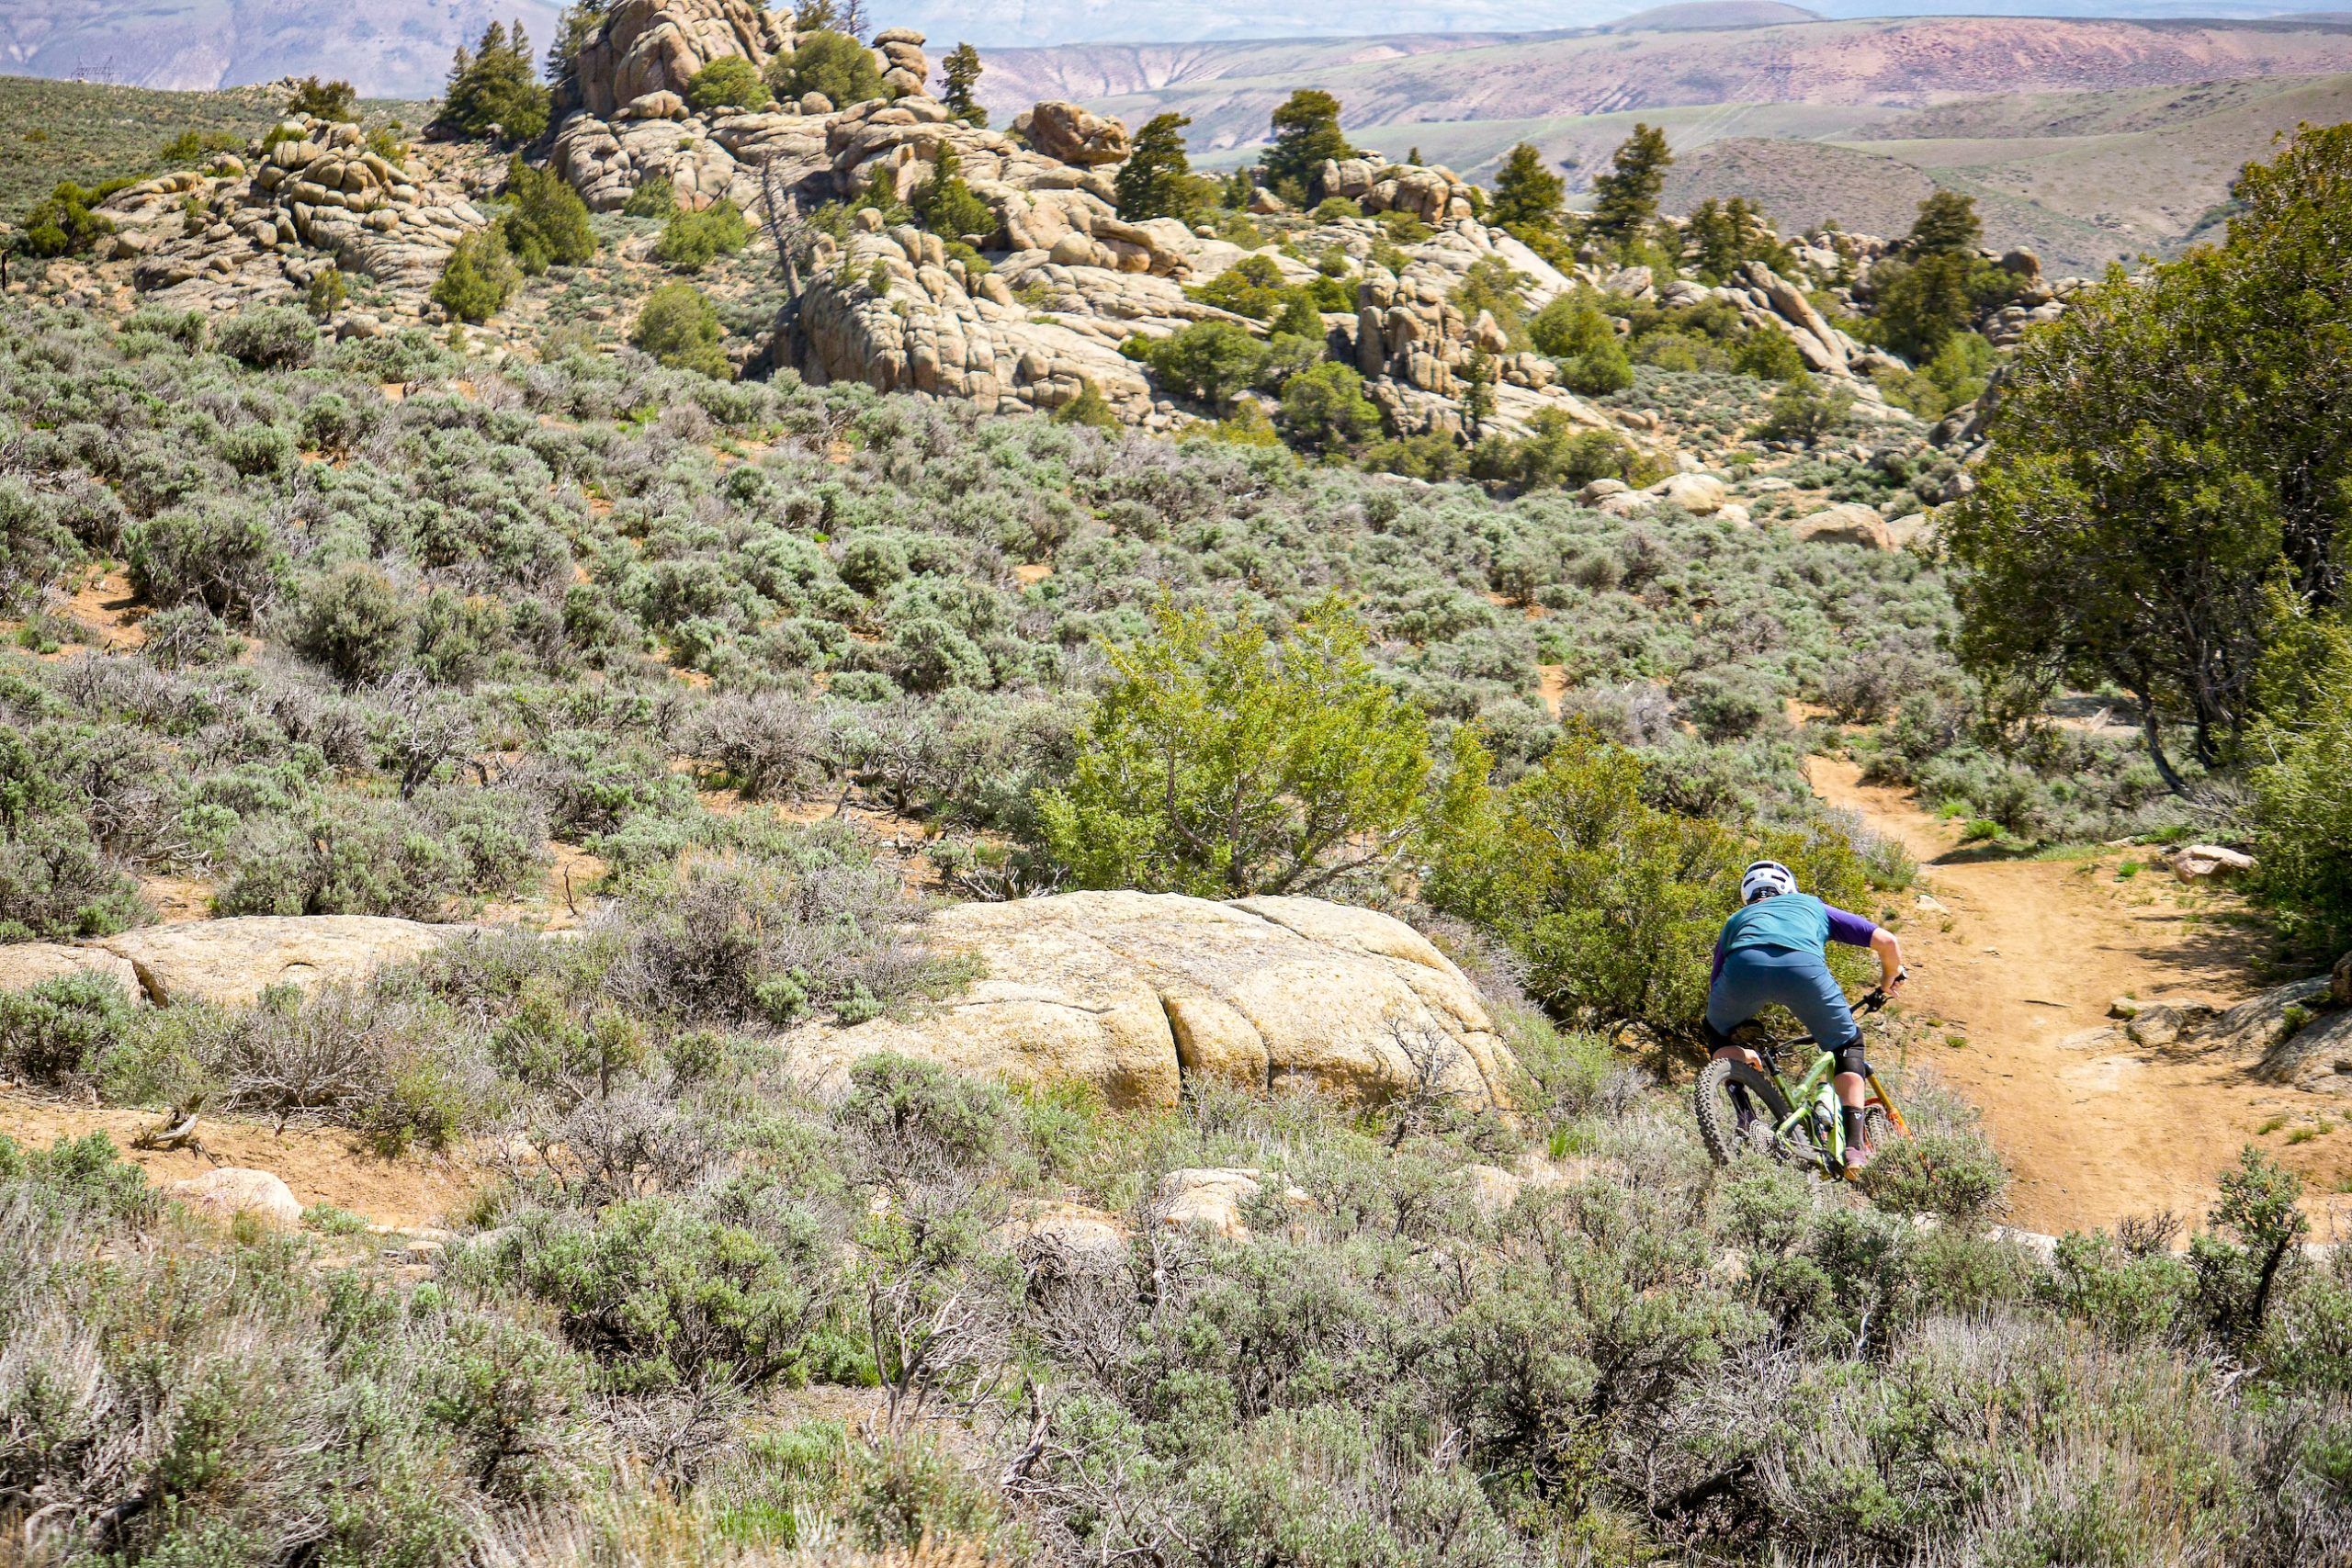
[{"x": 1850, "y": 1060}]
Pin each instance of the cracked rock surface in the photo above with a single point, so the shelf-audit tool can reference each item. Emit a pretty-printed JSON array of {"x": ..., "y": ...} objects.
[{"x": 1135, "y": 992}]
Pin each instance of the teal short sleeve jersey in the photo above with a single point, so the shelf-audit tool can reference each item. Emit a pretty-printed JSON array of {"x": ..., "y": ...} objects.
[{"x": 1797, "y": 921}]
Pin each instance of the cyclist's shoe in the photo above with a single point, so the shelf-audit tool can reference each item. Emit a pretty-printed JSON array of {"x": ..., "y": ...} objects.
[
  {"x": 1744, "y": 1107},
  {"x": 1857, "y": 1160}
]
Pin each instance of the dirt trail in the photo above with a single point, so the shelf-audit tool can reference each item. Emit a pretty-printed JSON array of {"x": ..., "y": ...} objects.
[{"x": 2022, "y": 954}]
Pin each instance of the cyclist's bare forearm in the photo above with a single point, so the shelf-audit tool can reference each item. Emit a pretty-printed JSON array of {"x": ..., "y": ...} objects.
[{"x": 1890, "y": 958}]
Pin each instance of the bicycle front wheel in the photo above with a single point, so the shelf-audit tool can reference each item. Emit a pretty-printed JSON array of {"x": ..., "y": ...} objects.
[{"x": 1737, "y": 1108}]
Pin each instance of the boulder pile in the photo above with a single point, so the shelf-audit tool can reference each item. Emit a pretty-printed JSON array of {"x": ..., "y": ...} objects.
[
  {"x": 310, "y": 194},
  {"x": 647, "y": 47}
]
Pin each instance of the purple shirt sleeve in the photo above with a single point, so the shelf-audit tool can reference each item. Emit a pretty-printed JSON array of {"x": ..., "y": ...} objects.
[
  {"x": 1717, "y": 971},
  {"x": 1851, "y": 930}
]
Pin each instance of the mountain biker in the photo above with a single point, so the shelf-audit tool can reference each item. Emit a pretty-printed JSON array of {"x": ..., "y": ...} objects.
[{"x": 1776, "y": 949}]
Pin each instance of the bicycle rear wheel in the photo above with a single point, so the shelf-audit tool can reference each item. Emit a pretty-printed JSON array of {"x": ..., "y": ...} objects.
[{"x": 1718, "y": 1111}]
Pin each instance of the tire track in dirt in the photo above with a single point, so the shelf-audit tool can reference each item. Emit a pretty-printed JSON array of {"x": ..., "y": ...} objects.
[{"x": 2023, "y": 953}]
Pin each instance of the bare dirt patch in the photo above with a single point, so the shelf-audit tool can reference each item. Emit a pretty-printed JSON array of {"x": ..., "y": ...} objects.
[
  {"x": 2024, "y": 954},
  {"x": 322, "y": 1165}
]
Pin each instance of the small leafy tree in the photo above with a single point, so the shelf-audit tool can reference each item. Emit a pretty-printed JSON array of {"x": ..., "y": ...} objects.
[
  {"x": 546, "y": 223},
  {"x": 1625, "y": 198},
  {"x": 323, "y": 100},
  {"x": 2166, "y": 458},
  {"x": 496, "y": 86},
  {"x": 1207, "y": 361},
  {"x": 679, "y": 327},
  {"x": 1306, "y": 134},
  {"x": 960, "y": 74},
  {"x": 325, "y": 293},
  {"x": 478, "y": 277},
  {"x": 947, "y": 205},
  {"x": 1527, "y": 193},
  {"x": 1222, "y": 762},
  {"x": 830, "y": 63},
  {"x": 730, "y": 82},
  {"x": 1946, "y": 225},
  {"x": 1155, "y": 180},
  {"x": 2252, "y": 1238},
  {"x": 1324, "y": 409},
  {"x": 1724, "y": 236}
]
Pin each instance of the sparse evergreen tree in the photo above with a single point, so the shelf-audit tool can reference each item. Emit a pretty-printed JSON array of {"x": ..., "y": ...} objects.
[
  {"x": 947, "y": 205},
  {"x": 1946, "y": 225},
  {"x": 679, "y": 327},
  {"x": 1722, "y": 236},
  {"x": 1155, "y": 180},
  {"x": 325, "y": 100},
  {"x": 1626, "y": 198},
  {"x": 815, "y": 15},
  {"x": 548, "y": 224},
  {"x": 1306, "y": 134},
  {"x": 495, "y": 85},
  {"x": 1527, "y": 194},
  {"x": 961, "y": 73},
  {"x": 730, "y": 82},
  {"x": 1477, "y": 390}
]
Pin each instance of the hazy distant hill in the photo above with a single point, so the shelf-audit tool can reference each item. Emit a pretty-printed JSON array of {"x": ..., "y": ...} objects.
[
  {"x": 2086, "y": 140},
  {"x": 388, "y": 47}
]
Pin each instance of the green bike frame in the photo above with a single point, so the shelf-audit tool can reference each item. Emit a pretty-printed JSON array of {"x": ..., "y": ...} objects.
[{"x": 1799, "y": 1097}]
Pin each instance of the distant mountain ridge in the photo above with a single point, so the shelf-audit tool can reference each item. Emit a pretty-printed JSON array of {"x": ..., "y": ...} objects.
[{"x": 402, "y": 48}]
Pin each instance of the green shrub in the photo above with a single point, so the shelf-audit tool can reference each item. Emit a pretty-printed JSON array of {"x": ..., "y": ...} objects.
[
  {"x": 1206, "y": 361},
  {"x": 1769, "y": 355},
  {"x": 692, "y": 240},
  {"x": 546, "y": 223},
  {"x": 323, "y": 100},
  {"x": 679, "y": 327},
  {"x": 54, "y": 1032},
  {"x": 34, "y": 546},
  {"x": 829, "y": 63},
  {"x": 325, "y": 293},
  {"x": 655, "y": 197},
  {"x": 62, "y": 224},
  {"x": 1803, "y": 414},
  {"x": 353, "y": 621},
  {"x": 479, "y": 277},
  {"x": 55, "y": 886},
  {"x": 1222, "y": 762},
  {"x": 730, "y": 82},
  {"x": 1614, "y": 904},
  {"x": 275, "y": 338}
]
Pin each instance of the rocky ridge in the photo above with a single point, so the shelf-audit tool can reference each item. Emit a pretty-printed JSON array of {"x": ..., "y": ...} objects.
[{"x": 1024, "y": 316}]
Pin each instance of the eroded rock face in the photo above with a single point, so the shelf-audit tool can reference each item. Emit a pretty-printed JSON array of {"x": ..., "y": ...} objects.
[
  {"x": 653, "y": 46},
  {"x": 934, "y": 329},
  {"x": 233, "y": 961},
  {"x": 237, "y": 236},
  {"x": 1132, "y": 992}
]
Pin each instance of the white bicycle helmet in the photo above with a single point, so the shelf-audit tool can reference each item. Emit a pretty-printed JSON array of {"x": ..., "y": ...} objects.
[{"x": 1766, "y": 879}]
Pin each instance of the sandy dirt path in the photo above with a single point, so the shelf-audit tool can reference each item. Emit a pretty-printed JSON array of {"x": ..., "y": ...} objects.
[{"x": 2024, "y": 954}]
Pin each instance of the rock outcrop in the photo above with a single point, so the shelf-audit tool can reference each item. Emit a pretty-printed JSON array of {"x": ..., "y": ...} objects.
[
  {"x": 233, "y": 961},
  {"x": 1135, "y": 992},
  {"x": 1847, "y": 522},
  {"x": 657, "y": 46},
  {"x": 1068, "y": 134},
  {"x": 25, "y": 965},
  {"x": 232, "y": 1190},
  {"x": 315, "y": 195}
]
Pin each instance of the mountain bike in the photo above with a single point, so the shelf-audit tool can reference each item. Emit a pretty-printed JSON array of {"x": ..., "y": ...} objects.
[{"x": 1797, "y": 1123}]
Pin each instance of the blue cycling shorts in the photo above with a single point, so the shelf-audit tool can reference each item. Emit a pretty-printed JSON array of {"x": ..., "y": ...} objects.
[{"x": 1753, "y": 978}]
